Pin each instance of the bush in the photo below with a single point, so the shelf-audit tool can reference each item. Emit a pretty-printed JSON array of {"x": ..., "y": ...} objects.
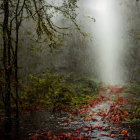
[
  {"x": 134, "y": 87},
  {"x": 86, "y": 86},
  {"x": 57, "y": 91},
  {"x": 134, "y": 102}
]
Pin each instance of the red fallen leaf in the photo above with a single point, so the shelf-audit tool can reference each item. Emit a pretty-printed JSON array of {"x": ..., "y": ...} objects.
[
  {"x": 75, "y": 121},
  {"x": 73, "y": 137},
  {"x": 108, "y": 135},
  {"x": 101, "y": 129},
  {"x": 70, "y": 118},
  {"x": 93, "y": 119},
  {"x": 80, "y": 111},
  {"x": 86, "y": 137},
  {"x": 87, "y": 106},
  {"x": 49, "y": 133},
  {"x": 63, "y": 134},
  {"x": 80, "y": 138},
  {"x": 102, "y": 113},
  {"x": 92, "y": 101},
  {"x": 33, "y": 138},
  {"x": 77, "y": 131},
  {"x": 96, "y": 127},
  {"x": 86, "y": 110},
  {"x": 90, "y": 128},
  {"x": 112, "y": 135},
  {"x": 65, "y": 123},
  {"x": 55, "y": 138},
  {"x": 125, "y": 132},
  {"x": 85, "y": 128},
  {"x": 87, "y": 118},
  {"x": 125, "y": 113}
]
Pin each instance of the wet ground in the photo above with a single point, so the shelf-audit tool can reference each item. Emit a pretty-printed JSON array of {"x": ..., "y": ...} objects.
[{"x": 90, "y": 122}]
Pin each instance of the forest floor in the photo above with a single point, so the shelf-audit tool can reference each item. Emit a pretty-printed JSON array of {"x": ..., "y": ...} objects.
[
  {"x": 104, "y": 118},
  {"x": 100, "y": 119}
]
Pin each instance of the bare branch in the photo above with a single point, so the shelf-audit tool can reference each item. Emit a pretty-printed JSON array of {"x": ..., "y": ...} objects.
[{"x": 17, "y": 14}]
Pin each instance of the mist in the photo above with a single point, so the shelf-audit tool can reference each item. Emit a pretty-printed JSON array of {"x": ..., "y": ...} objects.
[
  {"x": 109, "y": 52},
  {"x": 69, "y": 69},
  {"x": 103, "y": 54},
  {"x": 109, "y": 23}
]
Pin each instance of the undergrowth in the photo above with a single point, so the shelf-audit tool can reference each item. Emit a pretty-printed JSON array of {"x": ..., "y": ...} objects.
[{"x": 55, "y": 91}]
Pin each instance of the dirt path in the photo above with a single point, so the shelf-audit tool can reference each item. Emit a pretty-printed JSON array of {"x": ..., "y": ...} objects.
[{"x": 101, "y": 119}]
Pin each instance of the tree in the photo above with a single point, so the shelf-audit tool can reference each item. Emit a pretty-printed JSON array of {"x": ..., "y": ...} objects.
[
  {"x": 7, "y": 57},
  {"x": 41, "y": 12}
]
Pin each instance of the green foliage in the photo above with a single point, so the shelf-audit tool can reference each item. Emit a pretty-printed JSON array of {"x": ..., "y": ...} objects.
[
  {"x": 134, "y": 103},
  {"x": 49, "y": 89},
  {"x": 134, "y": 87},
  {"x": 58, "y": 91},
  {"x": 137, "y": 35},
  {"x": 82, "y": 99},
  {"x": 86, "y": 85},
  {"x": 44, "y": 19},
  {"x": 134, "y": 109},
  {"x": 134, "y": 120}
]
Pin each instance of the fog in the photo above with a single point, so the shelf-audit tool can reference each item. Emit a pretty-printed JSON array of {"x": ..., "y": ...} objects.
[
  {"x": 110, "y": 33},
  {"x": 109, "y": 51}
]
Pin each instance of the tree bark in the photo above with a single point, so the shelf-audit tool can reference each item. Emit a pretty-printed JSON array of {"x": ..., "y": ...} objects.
[
  {"x": 16, "y": 60},
  {"x": 7, "y": 59}
]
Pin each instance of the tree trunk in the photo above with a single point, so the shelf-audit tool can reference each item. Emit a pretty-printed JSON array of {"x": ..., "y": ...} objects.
[
  {"x": 16, "y": 60},
  {"x": 7, "y": 59},
  {"x": 16, "y": 69}
]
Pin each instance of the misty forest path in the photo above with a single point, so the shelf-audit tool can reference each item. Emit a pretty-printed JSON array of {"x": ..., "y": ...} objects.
[{"x": 101, "y": 119}]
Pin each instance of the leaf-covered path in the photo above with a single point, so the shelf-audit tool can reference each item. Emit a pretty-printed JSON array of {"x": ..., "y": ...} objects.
[{"x": 101, "y": 119}]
